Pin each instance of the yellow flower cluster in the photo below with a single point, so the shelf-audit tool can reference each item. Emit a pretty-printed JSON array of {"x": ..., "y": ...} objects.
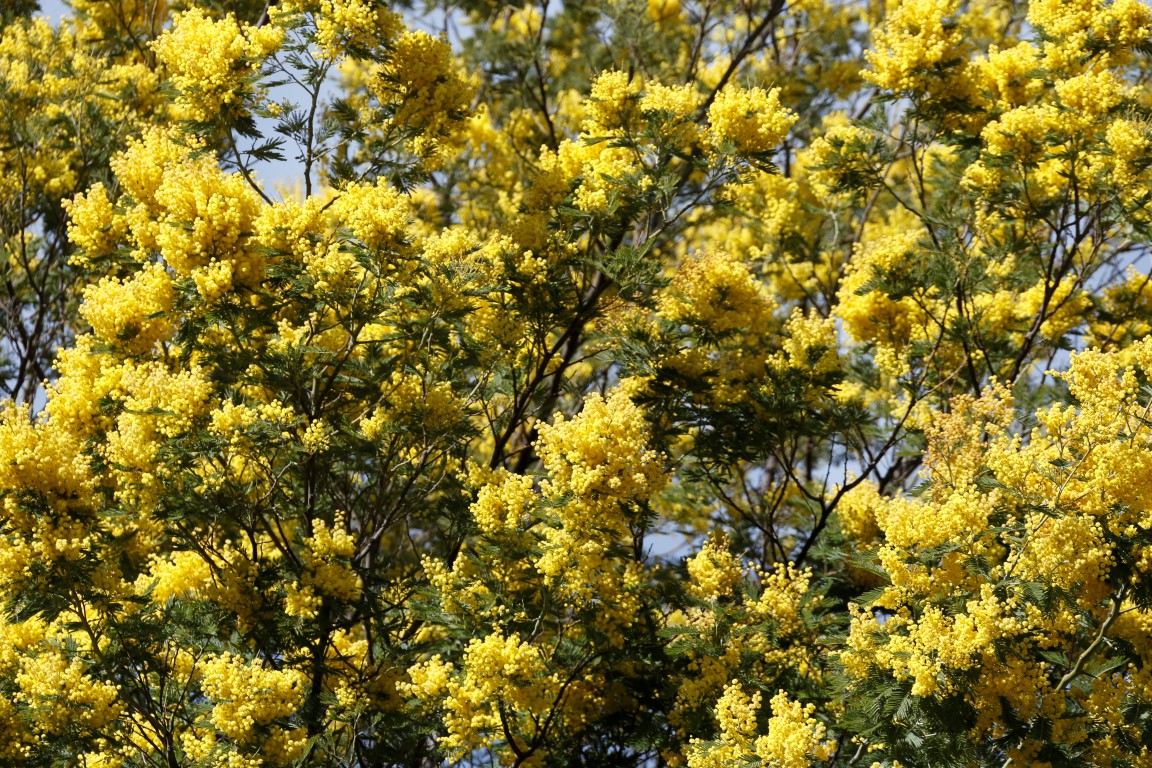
[
  {"x": 919, "y": 39},
  {"x": 857, "y": 513},
  {"x": 626, "y": 125},
  {"x": 177, "y": 574},
  {"x": 127, "y": 403},
  {"x": 611, "y": 158},
  {"x": 599, "y": 471},
  {"x": 1071, "y": 491},
  {"x": 714, "y": 574},
  {"x": 42, "y": 677},
  {"x": 376, "y": 214},
  {"x": 207, "y": 59},
  {"x": 425, "y": 90},
  {"x": 714, "y": 571},
  {"x": 505, "y": 504},
  {"x": 325, "y": 556},
  {"x": 63, "y": 692},
  {"x": 736, "y": 714},
  {"x": 1006, "y": 75},
  {"x": 1062, "y": 134},
  {"x": 671, "y": 110},
  {"x": 47, "y": 461},
  {"x": 412, "y": 401},
  {"x": 1127, "y": 304},
  {"x": 888, "y": 300},
  {"x": 59, "y": 96},
  {"x": 601, "y": 461},
  {"x": 810, "y": 345},
  {"x": 502, "y": 691},
  {"x": 344, "y": 26},
  {"x": 795, "y": 737},
  {"x": 766, "y": 211},
  {"x": 612, "y": 103},
  {"x": 580, "y": 458},
  {"x": 248, "y": 698},
  {"x": 782, "y": 593},
  {"x": 588, "y": 170},
  {"x": 750, "y": 120},
  {"x": 836, "y": 159},
  {"x": 197, "y": 218},
  {"x": 1080, "y": 25},
  {"x": 93, "y": 227},
  {"x": 873, "y": 315},
  {"x": 134, "y": 313},
  {"x": 108, "y": 19},
  {"x": 203, "y": 215},
  {"x": 716, "y": 293}
]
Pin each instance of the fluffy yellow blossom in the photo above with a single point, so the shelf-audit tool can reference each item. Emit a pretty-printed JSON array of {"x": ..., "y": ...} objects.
[
  {"x": 717, "y": 292},
  {"x": 327, "y": 550},
  {"x": 246, "y": 695},
  {"x": 1061, "y": 543},
  {"x": 612, "y": 104},
  {"x": 504, "y": 504},
  {"x": 1129, "y": 141},
  {"x": 377, "y": 214},
  {"x": 189, "y": 211},
  {"x": 872, "y": 314},
  {"x": 810, "y": 344},
  {"x": 110, "y": 17},
  {"x": 206, "y": 215},
  {"x": 424, "y": 90},
  {"x": 838, "y": 160},
  {"x": 176, "y": 575},
  {"x": 714, "y": 571},
  {"x": 62, "y": 691},
  {"x": 207, "y": 59},
  {"x": 736, "y": 712},
  {"x": 141, "y": 168},
  {"x": 1120, "y": 25},
  {"x": 500, "y": 691},
  {"x": 794, "y": 738},
  {"x": 580, "y": 457},
  {"x": 1007, "y": 75},
  {"x": 857, "y": 512},
  {"x": 60, "y": 95},
  {"x": 351, "y": 26},
  {"x": 752, "y": 121},
  {"x": 775, "y": 198},
  {"x": 409, "y": 399},
  {"x": 916, "y": 44},
  {"x": 92, "y": 226},
  {"x": 1091, "y": 95},
  {"x": 134, "y": 313},
  {"x": 782, "y": 594},
  {"x": 602, "y": 459}
]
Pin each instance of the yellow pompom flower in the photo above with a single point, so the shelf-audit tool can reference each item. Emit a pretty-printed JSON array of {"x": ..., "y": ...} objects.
[
  {"x": 751, "y": 120},
  {"x": 208, "y": 59},
  {"x": 714, "y": 571},
  {"x": 132, "y": 313},
  {"x": 917, "y": 39}
]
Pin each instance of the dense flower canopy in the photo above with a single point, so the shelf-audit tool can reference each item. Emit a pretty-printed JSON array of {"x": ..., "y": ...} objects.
[{"x": 688, "y": 383}]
